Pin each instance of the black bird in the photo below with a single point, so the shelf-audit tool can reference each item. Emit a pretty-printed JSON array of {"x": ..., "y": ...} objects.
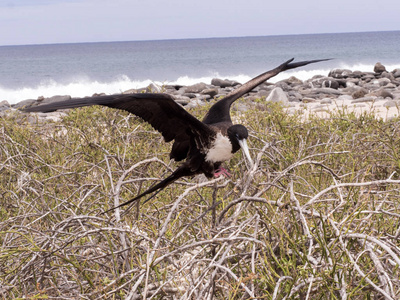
[{"x": 204, "y": 144}]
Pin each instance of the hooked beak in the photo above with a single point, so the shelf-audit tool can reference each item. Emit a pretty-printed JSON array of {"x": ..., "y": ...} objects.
[{"x": 245, "y": 149}]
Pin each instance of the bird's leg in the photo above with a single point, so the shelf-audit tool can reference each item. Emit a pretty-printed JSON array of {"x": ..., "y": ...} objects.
[{"x": 222, "y": 171}]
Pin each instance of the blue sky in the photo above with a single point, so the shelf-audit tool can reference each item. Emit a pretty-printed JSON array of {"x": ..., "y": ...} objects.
[{"x": 68, "y": 21}]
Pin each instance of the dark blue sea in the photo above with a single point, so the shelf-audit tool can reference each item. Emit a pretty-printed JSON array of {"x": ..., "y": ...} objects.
[{"x": 27, "y": 72}]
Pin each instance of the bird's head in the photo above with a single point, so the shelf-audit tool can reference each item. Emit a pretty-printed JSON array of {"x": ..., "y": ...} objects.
[{"x": 238, "y": 135}]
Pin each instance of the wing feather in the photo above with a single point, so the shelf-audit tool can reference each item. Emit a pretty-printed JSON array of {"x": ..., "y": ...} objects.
[{"x": 159, "y": 110}]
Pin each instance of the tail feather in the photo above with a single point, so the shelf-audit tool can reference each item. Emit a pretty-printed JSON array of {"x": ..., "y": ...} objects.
[{"x": 178, "y": 173}]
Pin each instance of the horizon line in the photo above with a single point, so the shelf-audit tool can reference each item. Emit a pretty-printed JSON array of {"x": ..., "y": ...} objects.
[{"x": 191, "y": 38}]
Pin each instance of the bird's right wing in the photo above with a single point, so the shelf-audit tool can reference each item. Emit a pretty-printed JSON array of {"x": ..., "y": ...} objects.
[{"x": 159, "y": 110}]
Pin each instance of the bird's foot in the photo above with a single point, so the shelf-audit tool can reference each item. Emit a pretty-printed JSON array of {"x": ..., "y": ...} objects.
[{"x": 222, "y": 171}]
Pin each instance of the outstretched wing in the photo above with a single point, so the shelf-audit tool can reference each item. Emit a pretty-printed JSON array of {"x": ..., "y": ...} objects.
[
  {"x": 159, "y": 110},
  {"x": 219, "y": 112}
]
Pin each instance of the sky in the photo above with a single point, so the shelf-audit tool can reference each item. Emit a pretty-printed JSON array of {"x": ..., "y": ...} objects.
[{"x": 25, "y": 22}]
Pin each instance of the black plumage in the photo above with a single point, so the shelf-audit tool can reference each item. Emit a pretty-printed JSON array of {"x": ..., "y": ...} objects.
[{"x": 204, "y": 144}]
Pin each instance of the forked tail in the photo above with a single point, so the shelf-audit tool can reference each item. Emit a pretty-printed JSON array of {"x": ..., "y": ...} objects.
[{"x": 178, "y": 173}]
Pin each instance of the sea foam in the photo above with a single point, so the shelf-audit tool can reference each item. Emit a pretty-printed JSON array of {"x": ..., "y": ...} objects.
[{"x": 86, "y": 87}]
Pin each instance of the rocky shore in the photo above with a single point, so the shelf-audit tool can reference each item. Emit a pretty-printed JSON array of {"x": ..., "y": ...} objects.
[{"x": 377, "y": 91}]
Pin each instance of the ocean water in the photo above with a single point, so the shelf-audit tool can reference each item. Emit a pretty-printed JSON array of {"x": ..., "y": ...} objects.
[{"x": 27, "y": 72}]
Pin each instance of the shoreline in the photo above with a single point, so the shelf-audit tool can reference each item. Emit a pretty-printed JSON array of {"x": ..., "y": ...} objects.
[{"x": 377, "y": 91}]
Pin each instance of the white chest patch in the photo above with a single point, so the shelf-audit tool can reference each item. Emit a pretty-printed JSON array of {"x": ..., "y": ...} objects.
[{"x": 221, "y": 149}]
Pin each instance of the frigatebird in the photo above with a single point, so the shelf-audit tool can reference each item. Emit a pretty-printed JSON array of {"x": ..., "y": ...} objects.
[{"x": 204, "y": 144}]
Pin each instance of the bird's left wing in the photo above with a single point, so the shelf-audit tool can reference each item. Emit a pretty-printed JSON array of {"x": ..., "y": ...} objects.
[{"x": 219, "y": 112}]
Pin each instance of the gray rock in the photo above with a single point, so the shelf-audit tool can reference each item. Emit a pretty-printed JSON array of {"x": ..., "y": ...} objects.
[
  {"x": 381, "y": 93},
  {"x": 345, "y": 97},
  {"x": 396, "y": 73},
  {"x": 327, "y": 91},
  {"x": 381, "y": 81},
  {"x": 326, "y": 101},
  {"x": 194, "y": 103},
  {"x": 130, "y": 91},
  {"x": 364, "y": 99},
  {"x": 356, "y": 74},
  {"x": 293, "y": 81},
  {"x": 242, "y": 107},
  {"x": 308, "y": 100},
  {"x": 196, "y": 88},
  {"x": 371, "y": 86},
  {"x": 263, "y": 93},
  {"x": 388, "y": 76},
  {"x": 4, "y": 108},
  {"x": 283, "y": 85},
  {"x": 339, "y": 73},
  {"x": 277, "y": 95},
  {"x": 211, "y": 92},
  {"x": 54, "y": 99},
  {"x": 359, "y": 93},
  {"x": 294, "y": 96},
  {"x": 330, "y": 83},
  {"x": 24, "y": 103},
  {"x": 223, "y": 82},
  {"x": 390, "y": 86},
  {"x": 350, "y": 84},
  {"x": 379, "y": 68},
  {"x": 368, "y": 75},
  {"x": 320, "y": 108},
  {"x": 182, "y": 100},
  {"x": 190, "y": 95},
  {"x": 4, "y": 105},
  {"x": 204, "y": 97},
  {"x": 153, "y": 88},
  {"x": 392, "y": 103}
]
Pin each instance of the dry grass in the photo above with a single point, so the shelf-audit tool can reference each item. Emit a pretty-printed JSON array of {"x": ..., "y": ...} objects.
[{"x": 318, "y": 217}]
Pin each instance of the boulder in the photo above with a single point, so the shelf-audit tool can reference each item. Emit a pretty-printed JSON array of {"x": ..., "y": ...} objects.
[
  {"x": 330, "y": 83},
  {"x": 326, "y": 101},
  {"x": 277, "y": 95},
  {"x": 294, "y": 96},
  {"x": 182, "y": 100},
  {"x": 196, "y": 88},
  {"x": 24, "y": 103},
  {"x": 388, "y": 75},
  {"x": 392, "y": 103},
  {"x": 4, "y": 105},
  {"x": 359, "y": 93},
  {"x": 153, "y": 88},
  {"x": 379, "y": 68},
  {"x": 283, "y": 85},
  {"x": 292, "y": 80},
  {"x": 339, "y": 73},
  {"x": 381, "y": 81},
  {"x": 382, "y": 92},
  {"x": 54, "y": 99},
  {"x": 328, "y": 91},
  {"x": 396, "y": 73},
  {"x": 224, "y": 82},
  {"x": 211, "y": 92},
  {"x": 364, "y": 99}
]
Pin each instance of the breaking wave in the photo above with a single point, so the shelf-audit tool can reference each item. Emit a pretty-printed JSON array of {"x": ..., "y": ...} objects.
[{"x": 88, "y": 87}]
